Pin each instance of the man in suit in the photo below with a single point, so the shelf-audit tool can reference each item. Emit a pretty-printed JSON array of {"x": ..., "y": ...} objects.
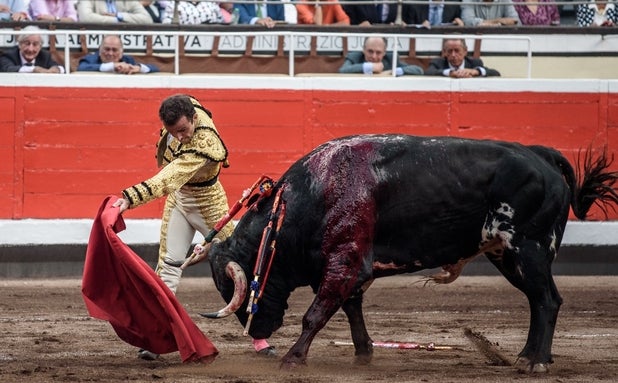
[
  {"x": 374, "y": 60},
  {"x": 371, "y": 13},
  {"x": 433, "y": 13},
  {"x": 260, "y": 13},
  {"x": 28, "y": 56},
  {"x": 111, "y": 59},
  {"x": 112, "y": 11},
  {"x": 455, "y": 62}
]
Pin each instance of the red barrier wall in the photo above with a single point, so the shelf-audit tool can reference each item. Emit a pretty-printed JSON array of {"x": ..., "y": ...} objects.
[{"x": 64, "y": 149}]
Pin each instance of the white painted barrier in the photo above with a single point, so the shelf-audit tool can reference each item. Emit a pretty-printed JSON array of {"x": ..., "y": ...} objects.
[{"x": 146, "y": 231}]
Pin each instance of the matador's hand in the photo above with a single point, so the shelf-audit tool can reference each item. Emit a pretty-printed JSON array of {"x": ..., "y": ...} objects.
[
  {"x": 200, "y": 252},
  {"x": 121, "y": 203}
]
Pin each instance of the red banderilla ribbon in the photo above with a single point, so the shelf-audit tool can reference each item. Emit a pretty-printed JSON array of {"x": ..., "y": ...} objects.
[{"x": 265, "y": 251}]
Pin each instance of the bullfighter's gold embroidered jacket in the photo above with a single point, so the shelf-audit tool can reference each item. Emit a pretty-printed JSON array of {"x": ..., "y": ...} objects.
[{"x": 197, "y": 163}]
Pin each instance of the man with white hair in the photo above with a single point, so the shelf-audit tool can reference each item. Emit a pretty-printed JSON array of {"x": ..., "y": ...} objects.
[{"x": 28, "y": 56}]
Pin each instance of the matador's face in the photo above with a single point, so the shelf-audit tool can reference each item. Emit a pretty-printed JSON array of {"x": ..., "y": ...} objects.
[{"x": 183, "y": 129}]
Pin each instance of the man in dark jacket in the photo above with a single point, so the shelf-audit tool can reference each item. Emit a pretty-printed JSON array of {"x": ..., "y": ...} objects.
[
  {"x": 371, "y": 13},
  {"x": 455, "y": 62},
  {"x": 261, "y": 13},
  {"x": 28, "y": 56},
  {"x": 432, "y": 14},
  {"x": 374, "y": 60},
  {"x": 111, "y": 58}
]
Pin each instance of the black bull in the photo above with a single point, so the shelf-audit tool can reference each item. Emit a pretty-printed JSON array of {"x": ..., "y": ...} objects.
[{"x": 364, "y": 207}]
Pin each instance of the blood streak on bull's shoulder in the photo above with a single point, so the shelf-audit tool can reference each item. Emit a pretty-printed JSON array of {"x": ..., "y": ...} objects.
[{"x": 344, "y": 170}]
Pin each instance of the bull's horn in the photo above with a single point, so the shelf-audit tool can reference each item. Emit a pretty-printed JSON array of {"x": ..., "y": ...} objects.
[{"x": 235, "y": 272}]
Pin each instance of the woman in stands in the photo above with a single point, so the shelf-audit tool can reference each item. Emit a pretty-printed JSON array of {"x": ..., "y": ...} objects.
[
  {"x": 537, "y": 12},
  {"x": 597, "y": 14}
]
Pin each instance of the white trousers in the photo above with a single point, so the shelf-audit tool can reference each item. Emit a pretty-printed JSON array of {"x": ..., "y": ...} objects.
[{"x": 186, "y": 211}]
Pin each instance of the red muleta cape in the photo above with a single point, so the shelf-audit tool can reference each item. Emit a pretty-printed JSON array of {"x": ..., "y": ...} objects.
[{"x": 119, "y": 287}]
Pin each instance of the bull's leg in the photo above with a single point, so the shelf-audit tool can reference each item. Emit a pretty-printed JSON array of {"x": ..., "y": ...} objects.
[
  {"x": 529, "y": 269},
  {"x": 346, "y": 270},
  {"x": 321, "y": 310},
  {"x": 363, "y": 345}
]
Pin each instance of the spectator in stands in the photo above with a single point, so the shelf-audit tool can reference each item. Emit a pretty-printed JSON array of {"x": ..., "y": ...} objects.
[
  {"x": 597, "y": 14},
  {"x": 53, "y": 10},
  {"x": 455, "y": 62},
  {"x": 194, "y": 12},
  {"x": 371, "y": 13},
  {"x": 14, "y": 10},
  {"x": 111, "y": 59},
  {"x": 432, "y": 14},
  {"x": 227, "y": 12},
  {"x": 28, "y": 56},
  {"x": 375, "y": 60},
  {"x": 112, "y": 11},
  {"x": 537, "y": 12},
  {"x": 260, "y": 13},
  {"x": 488, "y": 13},
  {"x": 290, "y": 12},
  {"x": 156, "y": 9},
  {"x": 321, "y": 12}
]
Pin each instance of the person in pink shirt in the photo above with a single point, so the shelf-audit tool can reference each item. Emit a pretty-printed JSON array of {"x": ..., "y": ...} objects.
[
  {"x": 537, "y": 12},
  {"x": 53, "y": 10}
]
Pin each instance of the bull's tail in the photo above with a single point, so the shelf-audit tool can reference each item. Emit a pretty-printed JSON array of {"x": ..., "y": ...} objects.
[
  {"x": 591, "y": 184},
  {"x": 596, "y": 184}
]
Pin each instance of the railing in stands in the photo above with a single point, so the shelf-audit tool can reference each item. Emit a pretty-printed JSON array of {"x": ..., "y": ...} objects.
[{"x": 288, "y": 41}]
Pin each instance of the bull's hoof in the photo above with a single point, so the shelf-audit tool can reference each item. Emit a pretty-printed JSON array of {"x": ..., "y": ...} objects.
[
  {"x": 291, "y": 361},
  {"x": 362, "y": 360},
  {"x": 526, "y": 366},
  {"x": 540, "y": 368},
  {"x": 291, "y": 365}
]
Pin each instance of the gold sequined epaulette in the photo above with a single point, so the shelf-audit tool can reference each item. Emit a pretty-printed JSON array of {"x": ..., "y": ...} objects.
[
  {"x": 197, "y": 104},
  {"x": 206, "y": 143}
]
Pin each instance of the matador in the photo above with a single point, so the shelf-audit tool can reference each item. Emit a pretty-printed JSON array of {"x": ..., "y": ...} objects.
[{"x": 190, "y": 154}]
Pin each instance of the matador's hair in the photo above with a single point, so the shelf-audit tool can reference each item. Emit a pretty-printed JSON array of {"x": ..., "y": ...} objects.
[{"x": 174, "y": 107}]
